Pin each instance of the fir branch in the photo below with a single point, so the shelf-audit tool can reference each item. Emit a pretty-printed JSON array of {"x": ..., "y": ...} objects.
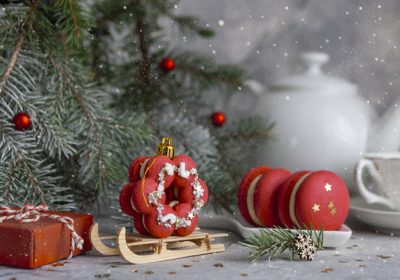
[
  {"x": 18, "y": 45},
  {"x": 203, "y": 70},
  {"x": 13, "y": 61},
  {"x": 70, "y": 21},
  {"x": 145, "y": 71},
  {"x": 274, "y": 241}
]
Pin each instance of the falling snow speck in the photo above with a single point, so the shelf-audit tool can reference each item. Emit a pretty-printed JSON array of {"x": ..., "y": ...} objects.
[{"x": 221, "y": 22}]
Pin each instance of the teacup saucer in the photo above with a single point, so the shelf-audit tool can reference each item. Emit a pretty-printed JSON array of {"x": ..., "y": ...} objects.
[{"x": 376, "y": 216}]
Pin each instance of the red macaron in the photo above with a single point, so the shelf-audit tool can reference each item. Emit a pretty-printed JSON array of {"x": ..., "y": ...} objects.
[
  {"x": 182, "y": 210},
  {"x": 265, "y": 211},
  {"x": 284, "y": 197},
  {"x": 138, "y": 223},
  {"x": 249, "y": 182},
  {"x": 186, "y": 162},
  {"x": 125, "y": 199},
  {"x": 187, "y": 194},
  {"x": 140, "y": 195},
  {"x": 134, "y": 168},
  {"x": 322, "y": 201},
  {"x": 156, "y": 228},
  {"x": 318, "y": 200}
]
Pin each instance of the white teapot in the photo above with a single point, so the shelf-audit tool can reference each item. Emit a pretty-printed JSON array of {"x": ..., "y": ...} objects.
[{"x": 320, "y": 122}]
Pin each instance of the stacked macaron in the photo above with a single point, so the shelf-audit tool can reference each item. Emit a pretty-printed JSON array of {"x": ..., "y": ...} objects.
[
  {"x": 164, "y": 195},
  {"x": 270, "y": 197}
]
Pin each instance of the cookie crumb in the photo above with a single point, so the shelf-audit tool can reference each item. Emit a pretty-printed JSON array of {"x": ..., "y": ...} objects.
[
  {"x": 172, "y": 273},
  {"x": 106, "y": 275},
  {"x": 327, "y": 270},
  {"x": 148, "y": 272},
  {"x": 57, "y": 264},
  {"x": 342, "y": 261},
  {"x": 218, "y": 265},
  {"x": 187, "y": 265},
  {"x": 244, "y": 274},
  {"x": 134, "y": 270},
  {"x": 383, "y": 257}
]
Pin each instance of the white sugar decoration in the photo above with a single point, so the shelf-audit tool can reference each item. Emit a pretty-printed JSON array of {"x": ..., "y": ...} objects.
[
  {"x": 169, "y": 169},
  {"x": 182, "y": 172},
  {"x": 198, "y": 191}
]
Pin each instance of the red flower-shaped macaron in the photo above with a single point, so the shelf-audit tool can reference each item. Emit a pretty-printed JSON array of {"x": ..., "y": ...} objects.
[{"x": 151, "y": 178}]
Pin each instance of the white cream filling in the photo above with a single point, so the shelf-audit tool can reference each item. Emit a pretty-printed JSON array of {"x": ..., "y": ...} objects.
[
  {"x": 250, "y": 201},
  {"x": 292, "y": 200},
  {"x": 173, "y": 203},
  {"x": 142, "y": 167},
  {"x": 144, "y": 224},
  {"x": 133, "y": 206}
]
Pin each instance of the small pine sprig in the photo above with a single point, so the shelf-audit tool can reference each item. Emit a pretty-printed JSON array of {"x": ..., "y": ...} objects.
[{"x": 274, "y": 241}]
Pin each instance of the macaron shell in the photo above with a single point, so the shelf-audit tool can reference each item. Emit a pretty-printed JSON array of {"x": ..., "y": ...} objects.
[
  {"x": 125, "y": 199},
  {"x": 182, "y": 211},
  {"x": 266, "y": 196},
  {"x": 140, "y": 195},
  {"x": 134, "y": 168},
  {"x": 284, "y": 197},
  {"x": 189, "y": 164},
  {"x": 138, "y": 223},
  {"x": 156, "y": 229},
  {"x": 243, "y": 190},
  {"x": 322, "y": 201}
]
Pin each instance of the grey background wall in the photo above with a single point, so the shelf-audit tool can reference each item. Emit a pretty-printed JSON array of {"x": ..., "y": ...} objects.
[{"x": 266, "y": 37}]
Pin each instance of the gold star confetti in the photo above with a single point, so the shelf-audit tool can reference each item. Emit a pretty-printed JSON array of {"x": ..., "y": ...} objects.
[
  {"x": 328, "y": 187},
  {"x": 331, "y": 205},
  {"x": 333, "y": 211},
  {"x": 315, "y": 207}
]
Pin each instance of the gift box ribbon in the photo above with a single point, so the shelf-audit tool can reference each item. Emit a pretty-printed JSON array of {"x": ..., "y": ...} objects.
[{"x": 30, "y": 214}]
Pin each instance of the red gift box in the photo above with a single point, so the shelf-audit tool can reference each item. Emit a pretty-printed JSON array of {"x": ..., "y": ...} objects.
[{"x": 36, "y": 243}]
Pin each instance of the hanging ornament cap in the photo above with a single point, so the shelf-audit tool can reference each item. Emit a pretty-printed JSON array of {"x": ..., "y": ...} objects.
[{"x": 166, "y": 148}]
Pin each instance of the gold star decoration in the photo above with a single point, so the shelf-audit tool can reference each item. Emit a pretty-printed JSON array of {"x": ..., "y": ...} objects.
[
  {"x": 315, "y": 207},
  {"x": 328, "y": 187},
  {"x": 331, "y": 205},
  {"x": 333, "y": 211}
]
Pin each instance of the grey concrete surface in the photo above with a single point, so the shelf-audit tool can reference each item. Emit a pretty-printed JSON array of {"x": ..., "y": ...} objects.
[{"x": 366, "y": 256}]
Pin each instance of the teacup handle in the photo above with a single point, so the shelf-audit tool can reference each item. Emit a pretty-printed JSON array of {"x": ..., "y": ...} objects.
[{"x": 369, "y": 196}]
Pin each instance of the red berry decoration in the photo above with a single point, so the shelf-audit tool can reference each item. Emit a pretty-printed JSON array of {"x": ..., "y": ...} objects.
[
  {"x": 218, "y": 119},
  {"x": 22, "y": 121},
  {"x": 167, "y": 64}
]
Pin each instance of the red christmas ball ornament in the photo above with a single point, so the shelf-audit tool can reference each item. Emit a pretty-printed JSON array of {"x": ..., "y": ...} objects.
[
  {"x": 167, "y": 64},
  {"x": 218, "y": 119},
  {"x": 22, "y": 121}
]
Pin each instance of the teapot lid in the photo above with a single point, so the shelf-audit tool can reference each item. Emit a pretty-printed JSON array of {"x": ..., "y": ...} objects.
[{"x": 314, "y": 78}]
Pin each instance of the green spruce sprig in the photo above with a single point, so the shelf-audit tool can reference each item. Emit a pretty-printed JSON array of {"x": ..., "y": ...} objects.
[{"x": 274, "y": 241}]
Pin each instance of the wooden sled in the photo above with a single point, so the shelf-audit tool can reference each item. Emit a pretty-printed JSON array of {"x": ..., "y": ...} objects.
[{"x": 138, "y": 249}]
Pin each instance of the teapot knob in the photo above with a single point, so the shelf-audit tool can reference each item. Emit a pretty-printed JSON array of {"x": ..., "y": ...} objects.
[{"x": 314, "y": 61}]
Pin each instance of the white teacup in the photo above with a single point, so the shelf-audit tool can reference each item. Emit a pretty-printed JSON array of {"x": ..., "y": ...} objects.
[{"x": 384, "y": 171}]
